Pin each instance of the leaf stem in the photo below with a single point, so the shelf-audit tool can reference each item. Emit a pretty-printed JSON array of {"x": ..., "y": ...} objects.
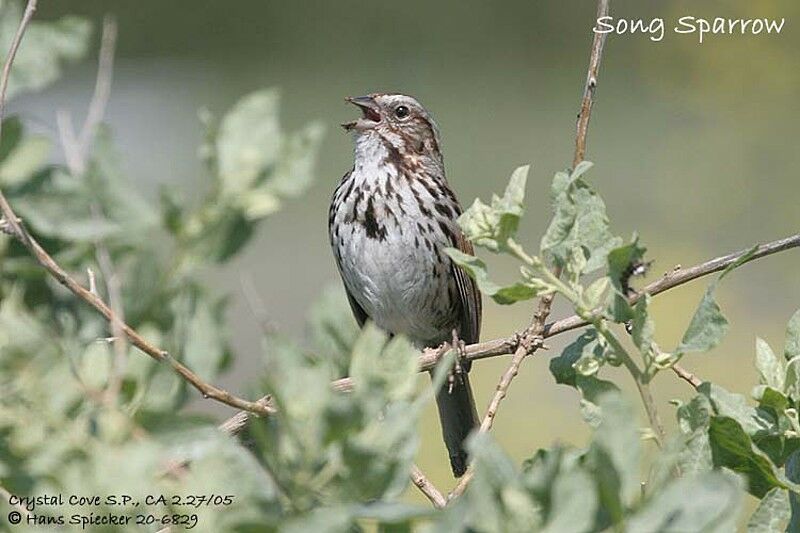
[{"x": 641, "y": 378}]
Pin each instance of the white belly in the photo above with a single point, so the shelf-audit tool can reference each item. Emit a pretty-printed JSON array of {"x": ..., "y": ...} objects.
[{"x": 393, "y": 281}]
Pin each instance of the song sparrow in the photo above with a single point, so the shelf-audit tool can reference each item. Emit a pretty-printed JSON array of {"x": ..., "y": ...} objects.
[{"x": 390, "y": 220}]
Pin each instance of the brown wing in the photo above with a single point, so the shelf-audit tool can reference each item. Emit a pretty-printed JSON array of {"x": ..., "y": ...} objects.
[
  {"x": 358, "y": 311},
  {"x": 470, "y": 296}
]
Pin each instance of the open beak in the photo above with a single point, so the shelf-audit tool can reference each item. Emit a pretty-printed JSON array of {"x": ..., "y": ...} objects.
[{"x": 370, "y": 113}]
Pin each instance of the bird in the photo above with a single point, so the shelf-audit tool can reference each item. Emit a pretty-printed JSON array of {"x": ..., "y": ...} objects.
[{"x": 391, "y": 218}]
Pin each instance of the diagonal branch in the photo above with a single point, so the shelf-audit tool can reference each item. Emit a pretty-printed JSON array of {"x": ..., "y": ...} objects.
[
  {"x": 427, "y": 488},
  {"x": 16, "y": 228}
]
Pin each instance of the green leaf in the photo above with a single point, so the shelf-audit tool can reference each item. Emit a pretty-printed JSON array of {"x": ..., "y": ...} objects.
[
  {"x": 792, "y": 348},
  {"x": 579, "y": 220},
  {"x": 574, "y": 503},
  {"x": 576, "y": 264},
  {"x": 733, "y": 449},
  {"x": 592, "y": 389},
  {"x": 643, "y": 327},
  {"x": 706, "y": 502},
  {"x": 12, "y": 135},
  {"x": 791, "y": 353},
  {"x": 771, "y": 369},
  {"x": 509, "y": 294},
  {"x": 46, "y": 46},
  {"x": 291, "y": 176},
  {"x": 28, "y": 156},
  {"x": 249, "y": 141},
  {"x": 333, "y": 328},
  {"x": 392, "y": 367},
  {"x": 755, "y": 422},
  {"x": 708, "y": 325},
  {"x": 294, "y": 169},
  {"x": 206, "y": 346},
  {"x": 322, "y": 520},
  {"x": 496, "y": 499},
  {"x": 593, "y": 295},
  {"x": 562, "y": 366},
  {"x": 694, "y": 417},
  {"x": 792, "y": 471},
  {"x": 772, "y": 513},
  {"x": 258, "y": 203},
  {"x": 615, "y": 450},
  {"x": 490, "y": 226},
  {"x": 115, "y": 192}
]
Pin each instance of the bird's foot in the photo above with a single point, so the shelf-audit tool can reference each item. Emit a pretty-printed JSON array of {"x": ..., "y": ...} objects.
[{"x": 461, "y": 362}]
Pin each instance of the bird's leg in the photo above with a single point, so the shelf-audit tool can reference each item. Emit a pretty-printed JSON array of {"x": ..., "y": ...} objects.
[{"x": 461, "y": 356}]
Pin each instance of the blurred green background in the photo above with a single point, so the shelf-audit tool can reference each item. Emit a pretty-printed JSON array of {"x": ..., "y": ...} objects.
[{"x": 695, "y": 148}]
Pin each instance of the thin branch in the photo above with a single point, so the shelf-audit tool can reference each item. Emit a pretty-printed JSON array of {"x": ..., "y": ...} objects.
[
  {"x": 236, "y": 424},
  {"x": 679, "y": 276},
  {"x": 102, "y": 87},
  {"x": 670, "y": 280},
  {"x": 427, "y": 488},
  {"x": 687, "y": 376},
  {"x": 639, "y": 377},
  {"x": 48, "y": 263},
  {"x": 114, "y": 289},
  {"x": 582, "y": 126}
]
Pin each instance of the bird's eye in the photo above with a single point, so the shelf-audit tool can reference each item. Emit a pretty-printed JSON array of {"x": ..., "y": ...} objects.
[{"x": 401, "y": 111}]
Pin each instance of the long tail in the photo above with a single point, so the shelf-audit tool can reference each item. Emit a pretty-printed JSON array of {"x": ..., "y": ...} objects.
[{"x": 459, "y": 416}]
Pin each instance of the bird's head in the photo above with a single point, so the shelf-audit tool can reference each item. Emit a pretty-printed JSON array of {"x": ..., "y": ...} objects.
[{"x": 398, "y": 120}]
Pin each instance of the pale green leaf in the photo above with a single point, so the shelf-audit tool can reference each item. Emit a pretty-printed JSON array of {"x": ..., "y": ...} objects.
[
  {"x": 579, "y": 220},
  {"x": 28, "y": 156},
  {"x": 755, "y": 422},
  {"x": 593, "y": 294},
  {"x": 708, "y": 324},
  {"x": 643, "y": 327},
  {"x": 258, "y": 203},
  {"x": 509, "y": 294},
  {"x": 490, "y": 226},
  {"x": 205, "y": 346},
  {"x": 771, "y": 369},
  {"x": 772, "y": 513},
  {"x": 792, "y": 348},
  {"x": 574, "y": 503},
  {"x": 617, "y": 438},
  {"x": 294, "y": 169},
  {"x": 45, "y": 48},
  {"x": 707, "y": 327},
  {"x": 249, "y": 141},
  {"x": 706, "y": 502}
]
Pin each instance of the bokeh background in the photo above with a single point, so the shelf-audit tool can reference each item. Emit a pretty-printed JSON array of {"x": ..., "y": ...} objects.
[{"x": 695, "y": 146}]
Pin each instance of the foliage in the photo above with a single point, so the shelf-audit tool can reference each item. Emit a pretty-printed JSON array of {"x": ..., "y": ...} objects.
[
  {"x": 328, "y": 461},
  {"x": 720, "y": 431}
]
